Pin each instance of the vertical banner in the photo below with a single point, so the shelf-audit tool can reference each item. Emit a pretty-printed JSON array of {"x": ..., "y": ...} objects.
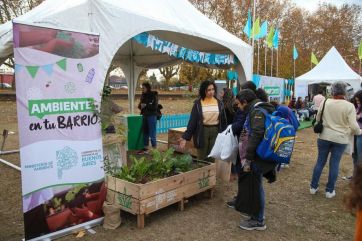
[{"x": 57, "y": 93}]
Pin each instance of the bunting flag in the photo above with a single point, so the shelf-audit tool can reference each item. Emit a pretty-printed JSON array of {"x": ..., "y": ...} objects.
[
  {"x": 313, "y": 59},
  {"x": 295, "y": 53},
  {"x": 263, "y": 30},
  {"x": 247, "y": 28},
  {"x": 269, "y": 38},
  {"x": 32, "y": 70},
  {"x": 256, "y": 28},
  {"x": 276, "y": 39},
  {"x": 176, "y": 51},
  {"x": 360, "y": 50},
  {"x": 18, "y": 68},
  {"x": 48, "y": 68},
  {"x": 62, "y": 64}
]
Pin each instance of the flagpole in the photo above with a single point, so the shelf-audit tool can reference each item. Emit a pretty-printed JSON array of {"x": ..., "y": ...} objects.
[
  {"x": 294, "y": 70},
  {"x": 266, "y": 49},
  {"x": 271, "y": 68},
  {"x": 258, "y": 55},
  {"x": 252, "y": 36},
  {"x": 277, "y": 63}
]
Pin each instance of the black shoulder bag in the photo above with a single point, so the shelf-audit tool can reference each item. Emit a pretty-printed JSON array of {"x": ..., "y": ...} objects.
[{"x": 318, "y": 127}]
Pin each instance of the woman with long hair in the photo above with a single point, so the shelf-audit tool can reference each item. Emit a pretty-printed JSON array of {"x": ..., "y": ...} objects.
[
  {"x": 228, "y": 100},
  {"x": 148, "y": 106},
  {"x": 207, "y": 119}
]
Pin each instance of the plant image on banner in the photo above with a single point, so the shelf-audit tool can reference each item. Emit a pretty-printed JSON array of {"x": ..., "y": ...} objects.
[{"x": 59, "y": 132}]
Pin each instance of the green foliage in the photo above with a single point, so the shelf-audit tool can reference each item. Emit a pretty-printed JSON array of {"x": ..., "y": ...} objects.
[
  {"x": 74, "y": 191},
  {"x": 163, "y": 164},
  {"x": 125, "y": 174},
  {"x": 183, "y": 163},
  {"x": 56, "y": 203}
]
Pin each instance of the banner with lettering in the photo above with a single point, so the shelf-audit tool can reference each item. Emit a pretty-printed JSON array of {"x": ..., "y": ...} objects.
[{"x": 58, "y": 91}]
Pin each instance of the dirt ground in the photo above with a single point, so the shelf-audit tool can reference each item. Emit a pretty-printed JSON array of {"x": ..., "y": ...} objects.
[{"x": 291, "y": 212}]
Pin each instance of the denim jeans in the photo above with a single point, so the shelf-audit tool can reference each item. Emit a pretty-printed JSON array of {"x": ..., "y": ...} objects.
[
  {"x": 149, "y": 131},
  {"x": 357, "y": 152},
  {"x": 257, "y": 171},
  {"x": 324, "y": 148}
]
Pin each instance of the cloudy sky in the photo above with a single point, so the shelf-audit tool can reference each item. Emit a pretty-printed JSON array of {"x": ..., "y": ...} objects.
[{"x": 312, "y": 5}]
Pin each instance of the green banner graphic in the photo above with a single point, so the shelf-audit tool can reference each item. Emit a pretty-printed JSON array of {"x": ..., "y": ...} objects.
[{"x": 41, "y": 108}]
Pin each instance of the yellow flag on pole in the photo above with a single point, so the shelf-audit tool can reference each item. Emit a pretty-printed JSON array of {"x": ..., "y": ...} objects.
[{"x": 313, "y": 59}]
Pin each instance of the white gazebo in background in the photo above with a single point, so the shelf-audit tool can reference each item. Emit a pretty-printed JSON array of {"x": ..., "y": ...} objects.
[
  {"x": 118, "y": 21},
  {"x": 330, "y": 69}
]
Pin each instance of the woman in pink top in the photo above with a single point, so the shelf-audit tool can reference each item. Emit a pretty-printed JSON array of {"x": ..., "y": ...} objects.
[{"x": 318, "y": 99}]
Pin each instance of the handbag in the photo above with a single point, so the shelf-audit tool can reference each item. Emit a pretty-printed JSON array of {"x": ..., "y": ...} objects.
[{"x": 318, "y": 127}]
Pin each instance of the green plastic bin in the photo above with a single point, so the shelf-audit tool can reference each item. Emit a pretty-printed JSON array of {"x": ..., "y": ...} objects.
[{"x": 133, "y": 124}]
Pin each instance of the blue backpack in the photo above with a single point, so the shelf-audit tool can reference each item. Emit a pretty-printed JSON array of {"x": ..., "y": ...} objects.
[
  {"x": 278, "y": 141},
  {"x": 288, "y": 114}
]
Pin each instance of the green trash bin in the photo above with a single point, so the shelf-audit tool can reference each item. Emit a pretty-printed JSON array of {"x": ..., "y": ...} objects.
[{"x": 133, "y": 125}]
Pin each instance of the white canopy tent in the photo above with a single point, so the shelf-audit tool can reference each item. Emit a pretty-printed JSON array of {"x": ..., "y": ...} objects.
[
  {"x": 330, "y": 69},
  {"x": 117, "y": 21}
]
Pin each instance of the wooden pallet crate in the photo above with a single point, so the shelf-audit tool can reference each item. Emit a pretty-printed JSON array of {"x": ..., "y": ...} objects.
[
  {"x": 142, "y": 199},
  {"x": 176, "y": 133}
]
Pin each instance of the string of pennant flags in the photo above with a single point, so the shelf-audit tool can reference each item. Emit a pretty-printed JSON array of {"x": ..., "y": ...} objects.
[
  {"x": 48, "y": 68},
  {"x": 179, "y": 52}
]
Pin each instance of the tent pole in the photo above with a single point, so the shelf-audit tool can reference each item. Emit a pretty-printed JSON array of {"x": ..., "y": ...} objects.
[{"x": 131, "y": 91}]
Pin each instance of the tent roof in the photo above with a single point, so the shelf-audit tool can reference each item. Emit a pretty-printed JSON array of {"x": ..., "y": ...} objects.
[
  {"x": 117, "y": 21},
  {"x": 330, "y": 69}
]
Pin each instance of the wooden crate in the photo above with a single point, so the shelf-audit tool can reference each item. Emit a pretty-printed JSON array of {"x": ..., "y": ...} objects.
[
  {"x": 114, "y": 150},
  {"x": 142, "y": 199},
  {"x": 176, "y": 133}
]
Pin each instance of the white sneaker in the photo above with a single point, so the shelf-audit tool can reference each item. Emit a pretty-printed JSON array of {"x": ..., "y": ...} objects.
[
  {"x": 331, "y": 194},
  {"x": 313, "y": 190}
]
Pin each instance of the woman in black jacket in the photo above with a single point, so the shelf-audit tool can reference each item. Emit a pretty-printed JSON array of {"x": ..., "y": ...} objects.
[
  {"x": 206, "y": 121},
  {"x": 148, "y": 106}
]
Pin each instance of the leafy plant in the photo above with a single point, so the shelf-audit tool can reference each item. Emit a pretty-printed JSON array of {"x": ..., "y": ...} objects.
[
  {"x": 56, "y": 203},
  {"x": 140, "y": 169},
  {"x": 74, "y": 191},
  {"x": 125, "y": 174},
  {"x": 183, "y": 163},
  {"x": 163, "y": 164}
]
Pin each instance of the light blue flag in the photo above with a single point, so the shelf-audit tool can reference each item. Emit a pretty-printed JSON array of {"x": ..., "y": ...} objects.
[
  {"x": 18, "y": 67},
  {"x": 263, "y": 30},
  {"x": 295, "y": 53},
  {"x": 48, "y": 69},
  {"x": 276, "y": 39},
  {"x": 247, "y": 28}
]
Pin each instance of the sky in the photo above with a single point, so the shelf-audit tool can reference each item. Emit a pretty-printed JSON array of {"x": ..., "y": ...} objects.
[{"x": 312, "y": 5}]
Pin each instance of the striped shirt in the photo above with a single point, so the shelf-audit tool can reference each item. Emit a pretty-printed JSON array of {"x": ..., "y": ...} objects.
[{"x": 210, "y": 111}]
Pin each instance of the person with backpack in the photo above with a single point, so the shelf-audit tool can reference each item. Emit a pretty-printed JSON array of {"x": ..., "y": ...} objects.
[
  {"x": 338, "y": 117},
  {"x": 238, "y": 126},
  {"x": 148, "y": 106},
  {"x": 251, "y": 198},
  {"x": 207, "y": 119}
]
